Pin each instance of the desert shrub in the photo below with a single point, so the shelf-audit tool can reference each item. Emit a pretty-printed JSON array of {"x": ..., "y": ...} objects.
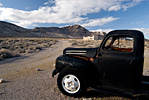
[
  {"x": 29, "y": 51},
  {"x": 23, "y": 45},
  {"x": 5, "y": 53},
  {"x": 84, "y": 43}
]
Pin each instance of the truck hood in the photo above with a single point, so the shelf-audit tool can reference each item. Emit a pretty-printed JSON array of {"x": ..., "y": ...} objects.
[{"x": 85, "y": 52}]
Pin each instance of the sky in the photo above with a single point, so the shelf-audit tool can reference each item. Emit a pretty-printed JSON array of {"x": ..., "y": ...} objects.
[{"x": 94, "y": 15}]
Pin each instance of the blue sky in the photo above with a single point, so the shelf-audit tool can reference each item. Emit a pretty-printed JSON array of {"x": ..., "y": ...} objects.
[{"x": 95, "y": 15}]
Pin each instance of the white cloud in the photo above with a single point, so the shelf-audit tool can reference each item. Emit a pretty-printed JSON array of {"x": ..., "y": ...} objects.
[
  {"x": 102, "y": 30},
  {"x": 1, "y": 4},
  {"x": 130, "y": 4},
  {"x": 66, "y": 11},
  {"x": 49, "y": 2},
  {"x": 27, "y": 8},
  {"x": 99, "y": 22},
  {"x": 114, "y": 8}
]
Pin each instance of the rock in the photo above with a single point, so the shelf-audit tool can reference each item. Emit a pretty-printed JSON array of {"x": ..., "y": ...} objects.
[
  {"x": 87, "y": 99},
  {"x": 37, "y": 50},
  {"x": 2, "y": 80},
  {"x": 38, "y": 69}
]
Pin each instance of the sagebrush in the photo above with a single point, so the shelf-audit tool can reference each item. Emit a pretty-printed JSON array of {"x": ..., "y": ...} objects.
[{"x": 11, "y": 47}]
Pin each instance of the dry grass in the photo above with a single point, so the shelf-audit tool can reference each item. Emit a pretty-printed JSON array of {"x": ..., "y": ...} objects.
[{"x": 12, "y": 47}]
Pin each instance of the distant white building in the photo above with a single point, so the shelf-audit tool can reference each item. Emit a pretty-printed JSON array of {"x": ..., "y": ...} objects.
[
  {"x": 89, "y": 38},
  {"x": 95, "y": 36}
]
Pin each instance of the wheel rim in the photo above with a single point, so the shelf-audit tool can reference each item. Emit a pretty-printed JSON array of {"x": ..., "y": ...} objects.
[{"x": 71, "y": 84}]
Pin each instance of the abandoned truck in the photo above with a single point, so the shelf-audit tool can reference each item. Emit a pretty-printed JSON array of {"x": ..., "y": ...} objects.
[{"x": 116, "y": 66}]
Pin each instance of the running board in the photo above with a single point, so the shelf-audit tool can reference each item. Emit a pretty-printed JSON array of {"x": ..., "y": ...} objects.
[{"x": 112, "y": 91}]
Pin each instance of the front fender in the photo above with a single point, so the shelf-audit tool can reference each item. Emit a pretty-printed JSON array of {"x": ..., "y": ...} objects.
[
  {"x": 86, "y": 68},
  {"x": 64, "y": 61}
]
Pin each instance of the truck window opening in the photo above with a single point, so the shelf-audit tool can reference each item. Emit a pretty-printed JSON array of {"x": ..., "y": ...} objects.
[{"x": 122, "y": 44}]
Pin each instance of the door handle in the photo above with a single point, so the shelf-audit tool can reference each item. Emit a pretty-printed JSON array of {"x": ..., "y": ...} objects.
[{"x": 131, "y": 61}]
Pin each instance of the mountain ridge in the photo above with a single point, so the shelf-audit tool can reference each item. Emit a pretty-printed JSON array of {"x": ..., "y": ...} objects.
[{"x": 74, "y": 31}]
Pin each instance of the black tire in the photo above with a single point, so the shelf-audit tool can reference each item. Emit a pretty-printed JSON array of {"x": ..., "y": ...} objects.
[{"x": 73, "y": 77}]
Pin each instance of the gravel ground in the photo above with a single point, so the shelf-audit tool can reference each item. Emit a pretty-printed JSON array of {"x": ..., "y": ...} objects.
[{"x": 23, "y": 82}]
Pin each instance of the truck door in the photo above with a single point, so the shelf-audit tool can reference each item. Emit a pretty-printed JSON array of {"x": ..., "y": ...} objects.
[{"x": 116, "y": 61}]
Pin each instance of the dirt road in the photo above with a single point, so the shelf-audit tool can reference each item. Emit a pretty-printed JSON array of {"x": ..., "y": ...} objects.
[{"x": 23, "y": 82}]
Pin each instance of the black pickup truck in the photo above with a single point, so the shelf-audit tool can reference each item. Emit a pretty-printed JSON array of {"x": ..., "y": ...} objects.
[{"x": 116, "y": 66}]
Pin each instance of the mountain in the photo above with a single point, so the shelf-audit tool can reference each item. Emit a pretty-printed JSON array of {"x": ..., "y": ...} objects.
[
  {"x": 74, "y": 31},
  {"x": 12, "y": 30}
]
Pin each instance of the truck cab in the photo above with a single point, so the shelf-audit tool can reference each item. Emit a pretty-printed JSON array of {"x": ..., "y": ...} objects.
[{"x": 117, "y": 64}]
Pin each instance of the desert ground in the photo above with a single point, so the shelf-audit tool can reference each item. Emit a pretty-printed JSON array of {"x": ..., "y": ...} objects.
[{"x": 24, "y": 82}]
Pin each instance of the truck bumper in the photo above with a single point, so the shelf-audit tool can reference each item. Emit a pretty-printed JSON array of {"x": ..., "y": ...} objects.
[{"x": 54, "y": 73}]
